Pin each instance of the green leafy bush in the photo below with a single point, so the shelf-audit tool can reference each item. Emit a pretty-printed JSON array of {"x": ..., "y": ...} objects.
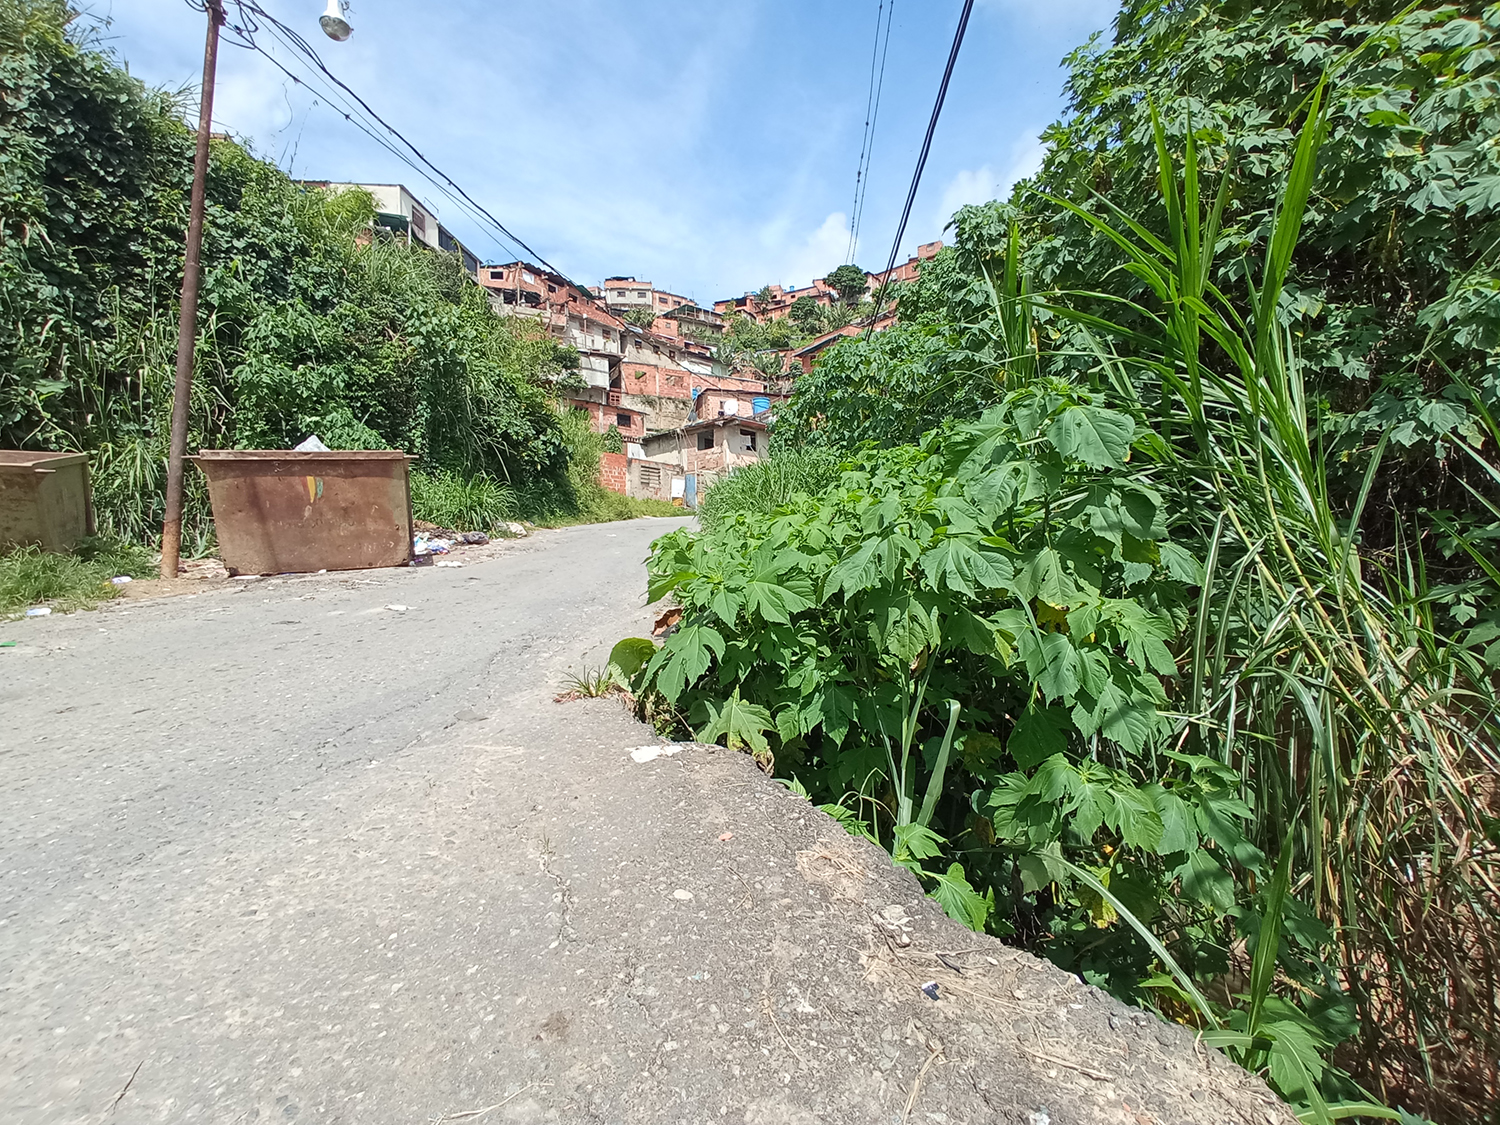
[{"x": 1124, "y": 625}]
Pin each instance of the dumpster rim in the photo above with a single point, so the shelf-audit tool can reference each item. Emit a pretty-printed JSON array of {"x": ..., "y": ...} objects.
[
  {"x": 39, "y": 460},
  {"x": 222, "y": 455}
]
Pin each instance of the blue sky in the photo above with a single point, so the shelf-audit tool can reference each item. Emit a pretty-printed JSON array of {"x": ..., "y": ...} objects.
[{"x": 709, "y": 148}]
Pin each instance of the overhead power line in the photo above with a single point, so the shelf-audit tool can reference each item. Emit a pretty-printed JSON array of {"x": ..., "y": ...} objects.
[
  {"x": 872, "y": 118},
  {"x": 916, "y": 179},
  {"x": 251, "y": 18}
]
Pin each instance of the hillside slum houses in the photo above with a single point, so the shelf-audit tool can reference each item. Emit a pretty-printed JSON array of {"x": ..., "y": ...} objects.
[
  {"x": 648, "y": 366},
  {"x": 646, "y": 382},
  {"x": 649, "y": 370}
]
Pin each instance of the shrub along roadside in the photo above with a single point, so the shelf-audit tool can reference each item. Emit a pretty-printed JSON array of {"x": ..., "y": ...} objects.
[{"x": 1109, "y": 669}]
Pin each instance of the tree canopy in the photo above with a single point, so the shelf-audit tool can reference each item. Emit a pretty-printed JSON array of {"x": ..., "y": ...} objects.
[{"x": 849, "y": 281}]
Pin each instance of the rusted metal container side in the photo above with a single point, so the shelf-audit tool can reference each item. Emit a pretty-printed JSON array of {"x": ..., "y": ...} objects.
[
  {"x": 44, "y": 499},
  {"x": 277, "y": 511}
]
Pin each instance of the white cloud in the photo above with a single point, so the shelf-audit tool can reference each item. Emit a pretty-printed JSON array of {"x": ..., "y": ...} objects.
[
  {"x": 979, "y": 185},
  {"x": 816, "y": 255}
]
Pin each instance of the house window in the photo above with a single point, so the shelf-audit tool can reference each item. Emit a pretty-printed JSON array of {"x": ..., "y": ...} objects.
[
  {"x": 706, "y": 440},
  {"x": 551, "y": 289},
  {"x": 623, "y": 421},
  {"x": 497, "y": 275},
  {"x": 749, "y": 436}
]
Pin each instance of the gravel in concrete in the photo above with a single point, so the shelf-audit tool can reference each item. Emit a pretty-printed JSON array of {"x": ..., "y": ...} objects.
[{"x": 279, "y": 852}]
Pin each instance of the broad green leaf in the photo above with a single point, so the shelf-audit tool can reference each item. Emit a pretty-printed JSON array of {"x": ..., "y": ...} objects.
[
  {"x": 683, "y": 659},
  {"x": 1052, "y": 662},
  {"x": 1178, "y": 833},
  {"x": 1039, "y": 733},
  {"x": 739, "y": 723},
  {"x": 726, "y": 604},
  {"x": 774, "y": 602},
  {"x": 1045, "y": 578},
  {"x": 1181, "y": 563},
  {"x": 917, "y": 841},
  {"x": 1134, "y": 818},
  {"x": 1091, "y": 434},
  {"x": 858, "y": 571},
  {"x": 956, "y": 565},
  {"x": 1206, "y": 881},
  {"x": 631, "y": 654},
  {"x": 956, "y": 895}
]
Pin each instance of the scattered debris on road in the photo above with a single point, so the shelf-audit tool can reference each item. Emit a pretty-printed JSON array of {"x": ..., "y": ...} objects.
[{"x": 642, "y": 754}]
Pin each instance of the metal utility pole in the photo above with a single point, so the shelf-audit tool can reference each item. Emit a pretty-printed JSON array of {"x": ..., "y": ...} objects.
[{"x": 187, "y": 325}]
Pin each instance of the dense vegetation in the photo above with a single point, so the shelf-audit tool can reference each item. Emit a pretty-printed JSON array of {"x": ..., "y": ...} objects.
[
  {"x": 308, "y": 323},
  {"x": 1153, "y": 619}
]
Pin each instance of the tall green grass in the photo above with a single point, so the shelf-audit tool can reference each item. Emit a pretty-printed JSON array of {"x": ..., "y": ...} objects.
[
  {"x": 30, "y": 576},
  {"x": 477, "y": 503},
  {"x": 766, "y": 485},
  {"x": 1366, "y": 737}
]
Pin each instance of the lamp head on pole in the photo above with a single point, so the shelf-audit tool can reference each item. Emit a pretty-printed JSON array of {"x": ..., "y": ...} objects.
[{"x": 334, "y": 25}]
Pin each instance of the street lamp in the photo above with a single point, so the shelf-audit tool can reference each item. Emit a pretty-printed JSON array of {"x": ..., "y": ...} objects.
[
  {"x": 337, "y": 27},
  {"x": 334, "y": 25}
]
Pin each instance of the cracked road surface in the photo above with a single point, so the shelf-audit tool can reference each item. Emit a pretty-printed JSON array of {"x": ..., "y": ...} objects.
[{"x": 277, "y": 852}]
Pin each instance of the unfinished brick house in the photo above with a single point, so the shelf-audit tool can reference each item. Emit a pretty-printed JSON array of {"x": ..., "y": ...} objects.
[
  {"x": 621, "y": 293},
  {"x": 710, "y": 448}
]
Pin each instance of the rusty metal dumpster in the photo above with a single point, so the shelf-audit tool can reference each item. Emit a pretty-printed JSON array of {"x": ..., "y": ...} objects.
[
  {"x": 44, "y": 499},
  {"x": 277, "y": 511}
]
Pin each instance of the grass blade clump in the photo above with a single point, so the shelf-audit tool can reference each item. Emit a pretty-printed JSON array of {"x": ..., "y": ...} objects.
[{"x": 767, "y": 485}]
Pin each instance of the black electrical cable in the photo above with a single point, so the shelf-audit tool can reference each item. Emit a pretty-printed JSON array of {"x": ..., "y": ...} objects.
[
  {"x": 297, "y": 43},
  {"x": 245, "y": 34},
  {"x": 350, "y": 114},
  {"x": 916, "y": 179},
  {"x": 872, "y": 121},
  {"x": 864, "y": 140}
]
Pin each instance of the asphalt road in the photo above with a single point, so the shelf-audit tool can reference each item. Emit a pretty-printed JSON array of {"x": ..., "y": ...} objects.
[{"x": 281, "y": 852}]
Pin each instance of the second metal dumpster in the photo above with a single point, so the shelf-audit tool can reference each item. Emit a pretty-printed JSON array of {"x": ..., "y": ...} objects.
[
  {"x": 277, "y": 511},
  {"x": 44, "y": 499}
]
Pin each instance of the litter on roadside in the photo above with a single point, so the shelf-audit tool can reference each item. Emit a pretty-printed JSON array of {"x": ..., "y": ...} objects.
[
  {"x": 930, "y": 990},
  {"x": 120, "y": 579},
  {"x": 650, "y": 753},
  {"x": 667, "y": 622},
  {"x": 39, "y": 611},
  {"x": 421, "y": 545},
  {"x": 8, "y": 644},
  {"x": 448, "y": 562},
  {"x": 396, "y": 608}
]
